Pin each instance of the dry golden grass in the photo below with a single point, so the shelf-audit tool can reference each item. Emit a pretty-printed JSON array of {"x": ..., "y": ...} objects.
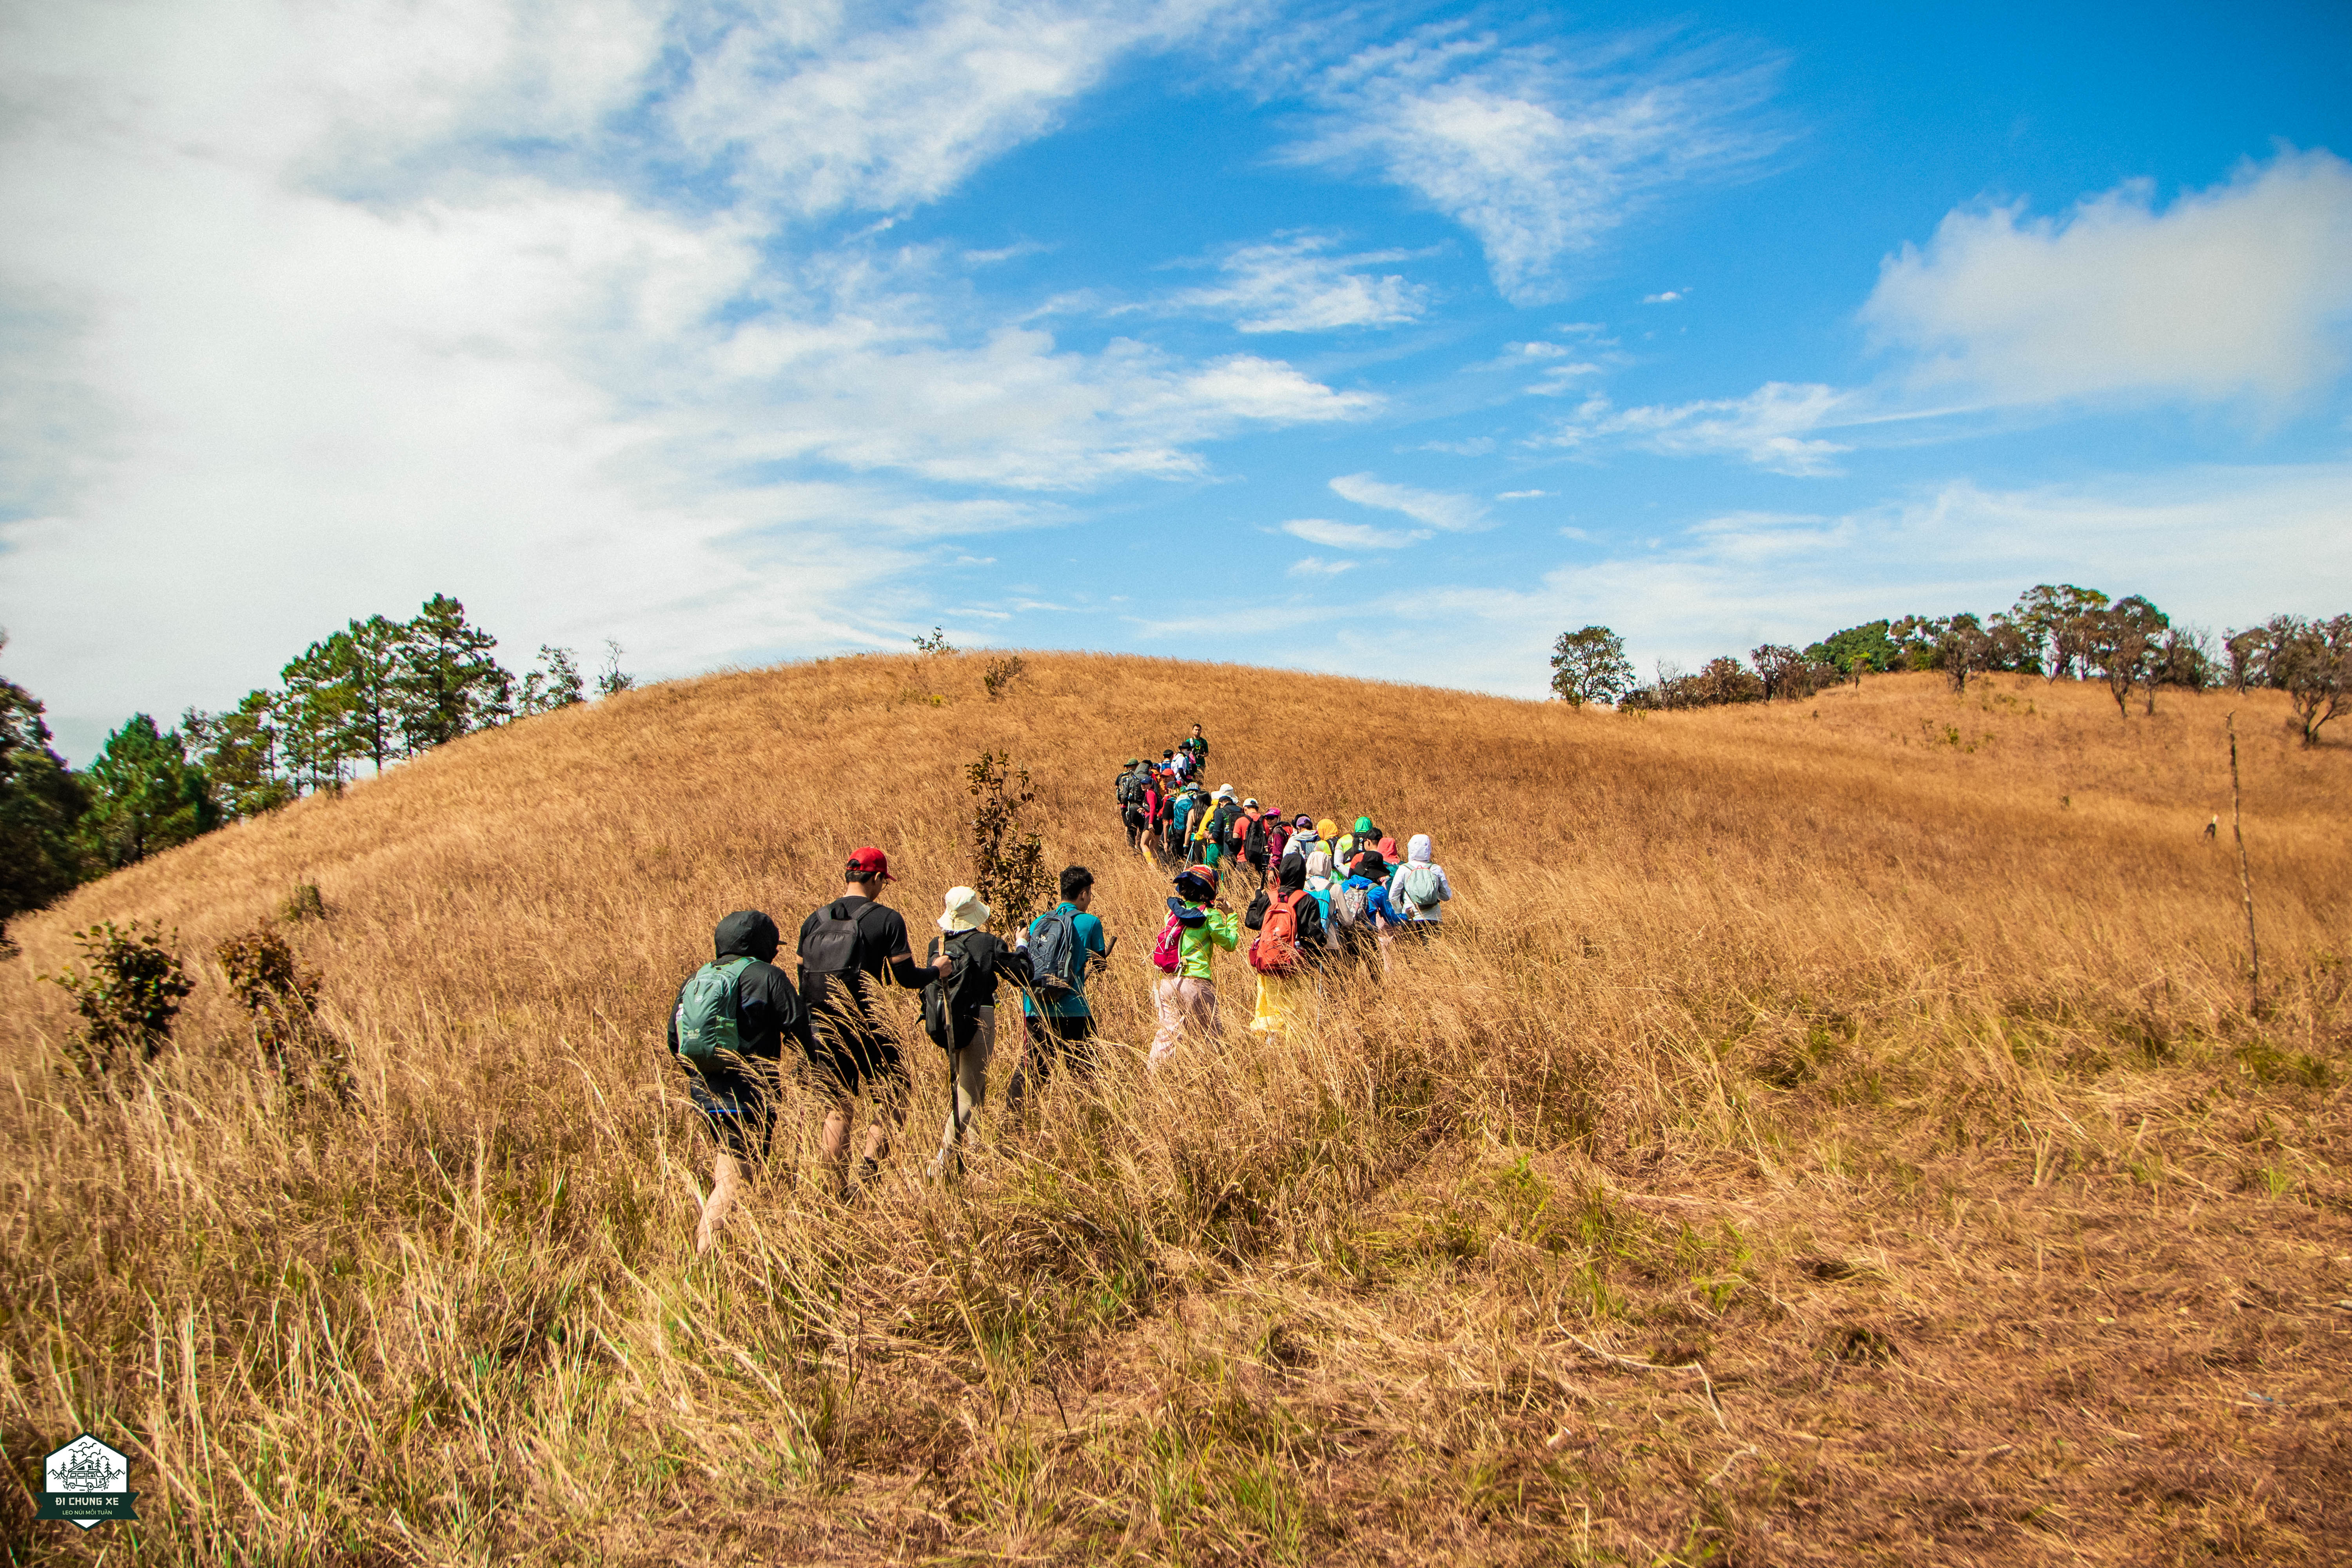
[{"x": 1886, "y": 1056}]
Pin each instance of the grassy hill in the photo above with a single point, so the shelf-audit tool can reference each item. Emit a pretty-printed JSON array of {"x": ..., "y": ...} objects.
[{"x": 1830, "y": 1132}]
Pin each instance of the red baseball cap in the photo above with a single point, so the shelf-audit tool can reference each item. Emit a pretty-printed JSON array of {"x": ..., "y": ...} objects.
[{"x": 869, "y": 863}]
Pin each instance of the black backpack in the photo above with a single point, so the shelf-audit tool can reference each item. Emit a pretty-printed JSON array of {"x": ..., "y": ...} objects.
[
  {"x": 832, "y": 947},
  {"x": 945, "y": 1001},
  {"x": 1130, "y": 789}
]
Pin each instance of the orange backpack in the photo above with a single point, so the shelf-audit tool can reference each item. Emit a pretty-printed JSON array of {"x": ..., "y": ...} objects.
[{"x": 1276, "y": 949}]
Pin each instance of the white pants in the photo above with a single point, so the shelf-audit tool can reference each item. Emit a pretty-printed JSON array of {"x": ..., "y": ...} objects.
[{"x": 1182, "y": 1000}]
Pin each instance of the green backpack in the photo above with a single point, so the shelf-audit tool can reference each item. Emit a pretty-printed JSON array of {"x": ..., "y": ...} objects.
[{"x": 709, "y": 1012}]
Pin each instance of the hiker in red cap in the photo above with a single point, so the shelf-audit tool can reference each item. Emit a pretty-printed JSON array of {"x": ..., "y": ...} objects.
[{"x": 845, "y": 949}]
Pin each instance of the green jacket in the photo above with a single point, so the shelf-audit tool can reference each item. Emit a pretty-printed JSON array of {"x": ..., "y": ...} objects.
[{"x": 1198, "y": 944}]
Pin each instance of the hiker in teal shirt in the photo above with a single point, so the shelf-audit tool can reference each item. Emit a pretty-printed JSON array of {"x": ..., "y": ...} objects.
[{"x": 1056, "y": 1018}]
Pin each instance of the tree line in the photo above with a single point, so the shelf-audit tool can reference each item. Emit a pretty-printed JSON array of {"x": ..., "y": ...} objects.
[
  {"x": 375, "y": 692},
  {"x": 2054, "y": 631}
]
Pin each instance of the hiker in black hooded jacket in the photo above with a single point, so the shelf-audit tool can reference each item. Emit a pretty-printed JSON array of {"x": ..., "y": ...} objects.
[{"x": 736, "y": 1094}]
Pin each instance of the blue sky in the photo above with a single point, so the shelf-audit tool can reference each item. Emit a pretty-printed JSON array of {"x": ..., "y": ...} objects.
[{"x": 1384, "y": 339}]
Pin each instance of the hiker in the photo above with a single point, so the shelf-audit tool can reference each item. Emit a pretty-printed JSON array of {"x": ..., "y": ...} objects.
[
  {"x": 1279, "y": 829},
  {"x": 1360, "y": 910},
  {"x": 1130, "y": 793},
  {"x": 1154, "y": 806},
  {"x": 1354, "y": 842},
  {"x": 1183, "y": 764},
  {"x": 1216, "y": 826},
  {"x": 1288, "y": 950},
  {"x": 1187, "y": 802},
  {"x": 846, "y": 949},
  {"x": 1194, "y": 746},
  {"x": 1187, "y": 991},
  {"x": 1058, "y": 1021},
  {"x": 959, "y": 1010},
  {"x": 1418, "y": 888},
  {"x": 1248, "y": 844},
  {"x": 727, "y": 1029},
  {"x": 1316, "y": 865}
]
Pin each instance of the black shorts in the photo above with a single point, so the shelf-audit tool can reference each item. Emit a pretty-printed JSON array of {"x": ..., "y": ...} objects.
[
  {"x": 739, "y": 1108},
  {"x": 848, "y": 1054}
]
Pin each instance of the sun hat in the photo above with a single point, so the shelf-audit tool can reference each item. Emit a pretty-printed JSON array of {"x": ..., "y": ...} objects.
[
  {"x": 1363, "y": 825},
  {"x": 1202, "y": 877},
  {"x": 964, "y": 912},
  {"x": 1327, "y": 828},
  {"x": 1134, "y": 762},
  {"x": 1225, "y": 792},
  {"x": 867, "y": 864}
]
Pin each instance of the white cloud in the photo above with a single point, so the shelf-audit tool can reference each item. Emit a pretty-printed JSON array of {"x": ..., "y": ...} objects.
[
  {"x": 1436, "y": 508},
  {"x": 1519, "y": 494},
  {"x": 298, "y": 327},
  {"x": 1772, "y": 428},
  {"x": 1671, "y": 297},
  {"x": 1293, "y": 285},
  {"x": 1316, "y": 566},
  {"x": 1536, "y": 156},
  {"x": 2240, "y": 290},
  {"x": 1351, "y": 535}
]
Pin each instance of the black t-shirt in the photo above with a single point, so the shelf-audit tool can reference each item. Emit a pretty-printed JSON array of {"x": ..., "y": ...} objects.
[
  {"x": 767, "y": 1011},
  {"x": 881, "y": 937}
]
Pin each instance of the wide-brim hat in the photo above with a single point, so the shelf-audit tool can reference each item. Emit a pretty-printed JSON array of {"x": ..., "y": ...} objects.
[
  {"x": 1205, "y": 877},
  {"x": 964, "y": 912}
]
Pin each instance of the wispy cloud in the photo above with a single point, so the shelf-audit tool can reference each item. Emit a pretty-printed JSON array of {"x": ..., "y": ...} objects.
[
  {"x": 1670, "y": 297},
  {"x": 1775, "y": 428},
  {"x": 1453, "y": 513},
  {"x": 1296, "y": 284},
  {"x": 1538, "y": 154},
  {"x": 1316, "y": 566},
  {"x": 812, "y": 109},
  {"x": 1351, "y": 535},
  {"x": 1519, "y": 494}
]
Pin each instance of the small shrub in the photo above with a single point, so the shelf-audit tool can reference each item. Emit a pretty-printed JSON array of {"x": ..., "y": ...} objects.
[
  {"x": 303, "y": 904},
  {"x": 1001, "y": 674},
  {"x": 1008, "y": 863},
  {"x": 935, "y": 645},
  {"x": 281, "y": 999},
  {"x": 127, "y": 994}
]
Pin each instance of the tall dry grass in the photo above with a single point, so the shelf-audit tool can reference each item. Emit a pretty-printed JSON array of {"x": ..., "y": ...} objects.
[{"x": 1826, "y": 1132}]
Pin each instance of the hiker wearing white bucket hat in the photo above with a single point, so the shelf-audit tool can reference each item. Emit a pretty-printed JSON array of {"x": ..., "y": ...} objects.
[{"x": 959, "y": 1009}]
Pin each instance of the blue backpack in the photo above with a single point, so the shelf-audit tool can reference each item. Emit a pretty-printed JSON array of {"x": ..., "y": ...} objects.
[{"x": 1056, "y": 960}]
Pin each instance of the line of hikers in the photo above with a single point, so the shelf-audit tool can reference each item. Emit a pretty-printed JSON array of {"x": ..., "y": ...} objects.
[
  {"x": 741, "y": 1024},
  {"x": 736, "y": 1017}
]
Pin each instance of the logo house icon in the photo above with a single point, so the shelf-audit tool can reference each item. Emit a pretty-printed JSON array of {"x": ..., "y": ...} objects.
[{"x": 89, "y": 1483}]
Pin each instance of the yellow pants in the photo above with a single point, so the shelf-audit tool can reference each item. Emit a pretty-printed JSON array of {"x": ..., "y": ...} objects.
[{"x": 1280, "y": 999}]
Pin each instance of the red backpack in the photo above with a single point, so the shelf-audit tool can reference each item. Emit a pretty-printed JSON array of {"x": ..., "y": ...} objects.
[
  {"x": 1169, "y": 953},
  {"x": 1276, "y": 949}
]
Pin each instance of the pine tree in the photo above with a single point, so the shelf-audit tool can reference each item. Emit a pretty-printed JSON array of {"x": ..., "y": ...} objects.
[
  {"x": 372, "y": 677},
  {"x": 316, "y": 729},
  {"x": 448, "y": 683},
  {"x": 40, "y": 801},
  {"x": 238, "y": 752},
  {"x": 145, "y": 797}
]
